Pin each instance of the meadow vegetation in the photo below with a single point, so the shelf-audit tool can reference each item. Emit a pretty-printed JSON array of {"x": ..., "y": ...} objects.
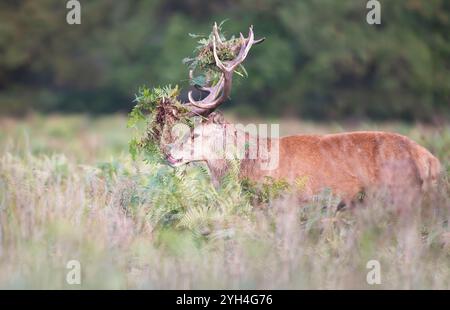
[{"x": 69, "y": 189}]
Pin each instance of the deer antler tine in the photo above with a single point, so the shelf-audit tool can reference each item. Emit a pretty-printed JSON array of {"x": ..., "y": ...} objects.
[
  {"x": 259, "y": 41},
  {"x": 251, "y": 40},
  {"x": 216, "y": 57},
  {"x": 216, "y": 33},
  {"x": 191, "y": 100},
  {"x": 245, "y": 48}
]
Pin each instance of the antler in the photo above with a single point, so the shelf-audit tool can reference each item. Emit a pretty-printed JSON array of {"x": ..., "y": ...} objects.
[{"x": 221, "y": 91}]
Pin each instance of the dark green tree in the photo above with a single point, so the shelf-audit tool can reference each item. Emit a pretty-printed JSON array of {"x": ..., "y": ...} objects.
[{"x": 320, "y": 60}]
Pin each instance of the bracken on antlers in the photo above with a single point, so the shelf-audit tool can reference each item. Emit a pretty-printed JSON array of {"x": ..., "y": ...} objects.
[{"x": 220, "y": 92}]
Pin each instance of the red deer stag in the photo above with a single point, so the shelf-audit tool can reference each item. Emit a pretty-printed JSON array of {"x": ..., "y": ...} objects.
[{"x": 347, "y": 163}]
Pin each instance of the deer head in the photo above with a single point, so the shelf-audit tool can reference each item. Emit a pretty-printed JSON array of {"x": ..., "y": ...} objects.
[{"x": 202, "y": 143}]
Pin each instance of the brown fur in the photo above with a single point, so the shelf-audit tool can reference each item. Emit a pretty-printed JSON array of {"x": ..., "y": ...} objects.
[{"x": 346, "y": 163}]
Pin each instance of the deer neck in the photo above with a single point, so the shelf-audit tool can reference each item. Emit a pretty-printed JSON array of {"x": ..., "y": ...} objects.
[{"x": 250, "y": 164}]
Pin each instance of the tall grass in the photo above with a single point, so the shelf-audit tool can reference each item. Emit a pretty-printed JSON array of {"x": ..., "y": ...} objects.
[{"x": 69, "y": 190}]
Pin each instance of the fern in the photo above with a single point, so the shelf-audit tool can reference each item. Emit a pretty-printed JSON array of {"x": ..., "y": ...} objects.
[{"x": 183, "y": 198}]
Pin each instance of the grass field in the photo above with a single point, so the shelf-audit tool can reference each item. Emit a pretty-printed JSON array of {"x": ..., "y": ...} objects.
[{"x": 70, "y": 191}]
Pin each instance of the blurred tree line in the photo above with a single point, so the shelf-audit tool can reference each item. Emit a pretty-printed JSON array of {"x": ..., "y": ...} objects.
[{"x": 321, "y": 59}]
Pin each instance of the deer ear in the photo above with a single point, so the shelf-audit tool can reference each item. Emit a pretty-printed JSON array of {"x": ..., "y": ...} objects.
[
  {"x": 214, "y": 118},
  {"x": 218, "y": 118}
]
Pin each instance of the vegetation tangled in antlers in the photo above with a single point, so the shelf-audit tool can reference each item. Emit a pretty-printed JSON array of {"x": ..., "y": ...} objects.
[
  {"x": 203, "y": 58},
  {"x": 161, "y": 106}
]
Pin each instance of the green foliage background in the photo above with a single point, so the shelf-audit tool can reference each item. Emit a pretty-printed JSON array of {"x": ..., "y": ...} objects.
[{"x": 321, "y": 59}]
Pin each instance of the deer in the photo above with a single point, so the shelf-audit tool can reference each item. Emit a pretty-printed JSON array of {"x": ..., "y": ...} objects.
[{"x": 347, "y": 163}]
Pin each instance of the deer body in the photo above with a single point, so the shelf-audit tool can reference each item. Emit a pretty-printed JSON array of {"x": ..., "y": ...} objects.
[
  {"x": 349, "y": 163},
  {"x": 346, "y": 163}
]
